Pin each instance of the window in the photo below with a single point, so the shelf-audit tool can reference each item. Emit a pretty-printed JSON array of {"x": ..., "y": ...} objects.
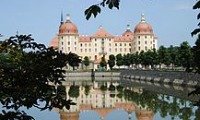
[
  {"x": 129, "y": 49},
  {"x": 146, "y": 37},
  {"x": 89, "y": 44},
  {"x": 81, "y": 50},
  {"x": 129, "y": 44},
  {"x": 124, "y": 49},
  {"x": 89, "y": 50},
  {"x": 109, "y": 39},
  {"x": 95, "y": 40},
  {"x": 115, "y": 49},
  {"x": 139, "y": 42},
  {"x": 68, "y": 43},
  {"x": 62, "y": 43},
  {"x": 74, "y": 43},
  {"x": 75, "y": 48},
  {"x": 138, "y": 37},
  {"x": 153, "y": 45},
  {"x": 120, "y": 49},
  {"x": 109, "y": 44},
  {"x": 95, "y": 44},
  {"x": 81, "y": 44},
  {"x": 85, "y": 44},
  {"x": 115, "y": 44},
  {"x": 145, "y": 47},
  {"x": 68, "y": 48},
  {"x": 120, "y": 44},
  {"x": 124, "y": 44},
  {"x": 153, "y": 41},
  {"x": 109, "y": 49},
  {"x": 95, "y": 57},
  {"x": 95, "y": 50},
  {"x": 145, "y": 42},
  {"x": 85, "y": 50},
  {"x": 138, "y": 48}
]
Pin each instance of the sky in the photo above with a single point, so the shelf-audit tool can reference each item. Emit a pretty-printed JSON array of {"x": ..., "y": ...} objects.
[{"x": 172, "y": 20}]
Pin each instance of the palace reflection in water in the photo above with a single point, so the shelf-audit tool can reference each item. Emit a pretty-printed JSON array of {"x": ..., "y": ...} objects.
[
  {"x": 102, "y": 102},
  {"x": 103, "y": 99}
]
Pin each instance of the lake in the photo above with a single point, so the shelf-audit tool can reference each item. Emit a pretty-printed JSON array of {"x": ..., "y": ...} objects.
[{"x": 135, "y": 101}]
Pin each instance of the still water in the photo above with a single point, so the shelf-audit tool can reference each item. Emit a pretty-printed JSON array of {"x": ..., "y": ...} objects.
[{"x": 126, "y": 101}]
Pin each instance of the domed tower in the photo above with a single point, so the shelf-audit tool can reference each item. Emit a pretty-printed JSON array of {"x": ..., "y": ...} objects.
[
  {"x": 144, "y": 38},
  {"x": 68, "y": 36}
]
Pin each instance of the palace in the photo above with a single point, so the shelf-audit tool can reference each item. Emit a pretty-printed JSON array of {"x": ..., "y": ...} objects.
[{"x": 102, "y": 43}]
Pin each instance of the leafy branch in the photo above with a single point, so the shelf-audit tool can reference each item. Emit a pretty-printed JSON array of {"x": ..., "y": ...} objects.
[{"x": 96, "y": 8}]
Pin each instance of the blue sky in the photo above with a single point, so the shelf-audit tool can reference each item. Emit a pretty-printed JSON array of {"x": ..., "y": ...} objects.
[{"x": 172, "y": 20}]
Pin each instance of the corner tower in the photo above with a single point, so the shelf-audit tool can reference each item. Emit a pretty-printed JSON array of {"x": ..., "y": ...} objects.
[
  {"x": 68, "y": 36},
  {"x": 144, "y": 38}
]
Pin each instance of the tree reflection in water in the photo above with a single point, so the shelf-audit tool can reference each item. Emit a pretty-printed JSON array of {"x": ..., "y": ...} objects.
[{"x": 143, "y": 103}]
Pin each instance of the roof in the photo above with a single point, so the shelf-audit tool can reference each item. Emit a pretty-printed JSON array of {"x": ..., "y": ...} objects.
[{"x": 102, "y": 33}]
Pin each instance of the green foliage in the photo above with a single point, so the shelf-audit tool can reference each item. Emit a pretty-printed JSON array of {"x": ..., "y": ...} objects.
[
  {"x": 111, "y": 61},
  {"x": 87, "y": 90},
  {"x": 119, "y": 59},
  {"x": 120, "y": 88},
  {"x": 29, "y": 73},
  {"x": 103, "y": 88},
  {"x": 197, "y": 30},
  {"x": 74, "y": 91},
  {"x": 127, "y": 60},
  {"x": 86, "y": 61},
  {"x": 96, "y": 9},
  {"x": 196, "y": 51},
  {"x": 111, "y": 87},
  {"x": 103, "y": 62},
  {"x": 73, "y": 60},
  {"x": 185, "y": 56},
  {"x": 112, "y": 95}
]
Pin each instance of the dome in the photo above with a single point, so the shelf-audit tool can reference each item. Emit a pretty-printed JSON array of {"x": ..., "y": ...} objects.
[
  {"x": 54, "y": 42},
  {"x": 143, "y": 27},
  {"x": 128, "y": 32},
  {"x": 68, "y": 27}
]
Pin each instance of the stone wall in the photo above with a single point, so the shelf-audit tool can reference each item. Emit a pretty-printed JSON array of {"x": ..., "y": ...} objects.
[
  {"x": 168, "y": 77},
  {"x": 88, "y": 76}
]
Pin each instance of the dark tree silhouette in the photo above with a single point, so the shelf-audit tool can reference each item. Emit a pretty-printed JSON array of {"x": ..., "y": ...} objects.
[
  {"x": 86, "y": 61},
  {"x": 96, "y": 8},
  {"x": 73, "y": 60},
  {"x": 111, "y": 61},
  {"x": 29, "y": 73}
]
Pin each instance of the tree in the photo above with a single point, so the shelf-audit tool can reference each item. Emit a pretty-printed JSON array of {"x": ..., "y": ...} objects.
[
  {"x": 103, "y": 62},
  {"x": 173, "y": 51},
  {"x": 127, "y": 60},
  {"x": 185, "y": 56},
  {"x": 86, "y": 61},
  {"x": 96, "y": 9},
  {"x": 111, "y": 61},
  {"x": 29, "y": 73},
  {"x": 73, "y": 60},
  {"x": 74, "y": 91},
  {"x": 119, "y": 59},
  {"x": 196, "y": 51},
  {"x": 111, "y": 87},
  {"x": 87, "y": 90},
  {"x": 161, "y": 55},
  {"x": 197, "y": 30}
]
